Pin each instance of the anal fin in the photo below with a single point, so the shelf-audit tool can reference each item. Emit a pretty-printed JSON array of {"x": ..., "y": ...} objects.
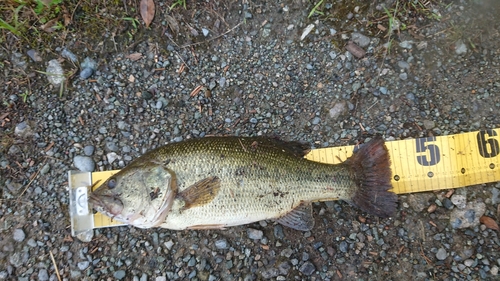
[
  {"x": 299, "y": 218},
  {"x": 200, "y": 193}
]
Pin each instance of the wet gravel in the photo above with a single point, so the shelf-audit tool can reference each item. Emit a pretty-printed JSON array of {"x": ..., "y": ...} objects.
[{"x": 257, "y": 79}]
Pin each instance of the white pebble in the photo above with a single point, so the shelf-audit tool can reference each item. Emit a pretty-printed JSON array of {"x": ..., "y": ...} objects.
[{"x": 19, "y": 235}]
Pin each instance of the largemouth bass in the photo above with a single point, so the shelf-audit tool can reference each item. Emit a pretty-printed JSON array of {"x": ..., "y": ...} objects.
[{"x": 217, "y": 182}]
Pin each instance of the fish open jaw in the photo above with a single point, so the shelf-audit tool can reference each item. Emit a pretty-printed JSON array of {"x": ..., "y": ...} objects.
[{"x": 109, "y": 204}]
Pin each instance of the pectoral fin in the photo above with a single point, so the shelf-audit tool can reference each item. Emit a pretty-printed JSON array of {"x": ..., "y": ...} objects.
[
  {"x": 200, "y": 193},
  {"x": 299, "y": 218}
]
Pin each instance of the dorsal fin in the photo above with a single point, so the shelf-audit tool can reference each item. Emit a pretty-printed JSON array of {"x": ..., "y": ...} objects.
[{"x": 296, "y": 148}]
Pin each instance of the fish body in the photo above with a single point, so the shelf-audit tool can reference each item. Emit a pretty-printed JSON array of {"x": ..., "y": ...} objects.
[{"x": 217, "y": 182}]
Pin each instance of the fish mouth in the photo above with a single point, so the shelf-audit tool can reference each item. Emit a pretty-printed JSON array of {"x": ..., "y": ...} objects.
[{"x": 109, "y": 203}]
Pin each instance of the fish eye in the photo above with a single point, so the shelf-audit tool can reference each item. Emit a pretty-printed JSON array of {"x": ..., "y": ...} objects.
[{"x": 111, "y": 183}]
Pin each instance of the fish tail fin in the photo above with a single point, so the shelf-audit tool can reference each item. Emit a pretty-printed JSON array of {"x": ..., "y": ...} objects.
[{"x": 370, "y": 166}]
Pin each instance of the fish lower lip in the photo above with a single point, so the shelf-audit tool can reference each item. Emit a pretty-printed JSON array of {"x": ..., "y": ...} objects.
[{"x": 110, "y": 204}]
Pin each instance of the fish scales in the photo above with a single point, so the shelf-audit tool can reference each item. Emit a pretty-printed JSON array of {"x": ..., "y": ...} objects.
[
  {"x": 258, "y": 180},
  {"x": 216, "y": 182}
]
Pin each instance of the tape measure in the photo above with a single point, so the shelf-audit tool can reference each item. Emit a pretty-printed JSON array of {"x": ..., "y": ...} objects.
[
  {"x": 422, "y": 164},
  {"x": 434, "y": 163}
]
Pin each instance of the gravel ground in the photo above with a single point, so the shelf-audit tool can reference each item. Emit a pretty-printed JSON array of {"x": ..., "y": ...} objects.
[{"x": 255, "y": 76}]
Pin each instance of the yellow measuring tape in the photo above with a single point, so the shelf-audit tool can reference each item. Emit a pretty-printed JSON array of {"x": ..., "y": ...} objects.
[
  {"x": 422, "y": 164},
  {"x": 434, "y": 163}
]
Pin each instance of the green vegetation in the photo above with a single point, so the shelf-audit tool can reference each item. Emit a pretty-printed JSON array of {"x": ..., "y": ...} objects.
[
  {"x": 25, "y": 95},
  {"x": 178, "y": 3},
  {"x": 135, "y": 24},
  {"x": 24, "y": 18},
  {"x": 12, "y": 23},
  {"x": 42, "y": 24},
  {"x": 315, "y": 9},
  {"x": 41, "y": 6}
]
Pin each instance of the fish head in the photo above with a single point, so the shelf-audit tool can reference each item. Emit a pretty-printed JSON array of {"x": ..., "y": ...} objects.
[{"x": 139, "y": 195}]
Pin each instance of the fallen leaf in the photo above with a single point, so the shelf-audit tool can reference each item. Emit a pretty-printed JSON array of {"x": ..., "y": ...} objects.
[
  {"x": 66, "y": 16},
  {"x": 449, "y": 193},
  {"x": 355, "y": 50},
  {"x": 172, "y": 23},
  {"x": 46, "y": 3},
  {"x": 489, "y": 222},
  {"x": 49, "y": 26},
  {"x": 193, "y": 31},
  {"x": 381, "y": 27},
  {"x": 134, "y": 56},
  {"x": 147, "y": 8},
  {"x": 432, "y": 208}
]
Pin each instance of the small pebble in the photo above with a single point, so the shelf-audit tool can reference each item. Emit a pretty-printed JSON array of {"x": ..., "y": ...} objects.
[
  {"x": 459, "y": 200},
  {"x": 403, "y": 65},
  {"x": 88, "y": 150},
  {"x": 67, "y": 54},
  {"x": 120, "y": 274},
  {"x": 55, "y": 73},
  {"x": 86, "y": 73},
  {"x": 221, "y": 244},
  {"x": 84, "y": 163},
  {"x": 441, "y": 254},
  {"x": 468, "y": 216},
  {"x": 23, "y": 130},
  {"x": 343, "y": 246},
  {"x": 460, "y": 47},
  {"x": 360, "y": 39},
  {"x": 83, "y": 265},
  {"x": 494, "y": 270},
  {"x": 447, "y": 204},
  {"x": 406, "y": 44},
  {"x": 112, "y": 157},
  {"x": 255, "y": 233},
  {"x": 45, "y": 169},
  {"x": 169, "y": 244},
  {"x": 19, "y": 235},
  {"x": 338, "y": 109},
  {"x": 270, "y": 273},
  {"x": 43, "y": 275},
  {"x": 307, "y": 268},
  {"x": 278, "y": 232},
  {"x": 429, "y": 124},
  {"x": 222, "y": 81},
  {"x": 34, "y": 55},
  {"x": 468, "y": 262}
]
